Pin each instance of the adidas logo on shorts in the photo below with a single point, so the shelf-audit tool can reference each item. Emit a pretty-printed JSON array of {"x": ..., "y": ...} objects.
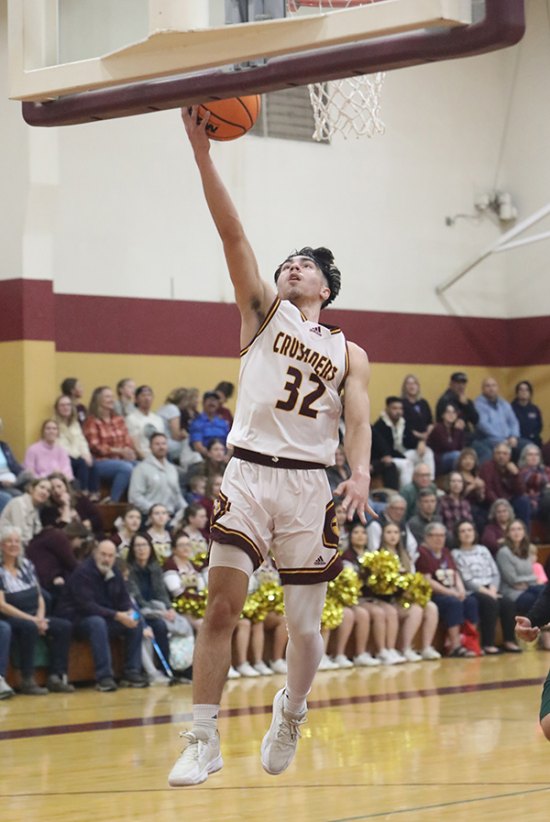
[{"x": 319, "y": 561}]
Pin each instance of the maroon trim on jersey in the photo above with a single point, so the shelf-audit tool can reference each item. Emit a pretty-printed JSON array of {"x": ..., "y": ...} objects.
[
  {"x": 268, "y": 317},
  {"x": 274, "y": 462},
  {"x": 346, "y": 371},
  {"x": 227, "y": 536},
  {"x": 331, "y": 534},
  {"x": 309, "y": 576}
]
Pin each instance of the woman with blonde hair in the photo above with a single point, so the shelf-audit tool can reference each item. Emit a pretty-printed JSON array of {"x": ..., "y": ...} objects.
[
  {"x": 416, "y": 411},
  {"x": 109, "y": 442},
  {"x": 76, "y": 445}
]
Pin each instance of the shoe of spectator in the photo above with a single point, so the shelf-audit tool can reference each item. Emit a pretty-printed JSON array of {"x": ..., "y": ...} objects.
[
  {"x": 30, "y": 687},
  {"x": 326, "y": 664},
  {"x": 411, "y": 656},
  {"x": 397, "y": 656},
  {"x": 232, "y": 673},
  {"x": 365, "y": 660},
  {"x": 158, "y": 678},
  {"x": 5, "y": 691},
  {"x": 341, "y": 661},
  {"x": 59, "y": 684},
  {"x": 279, "y": 743},
  {"x": 430, "y": 653},
  {"x": 200, "y": 758},
  {"x": 246, "y": 669},
  {"x": 107, "y": 683},
  {"x": 262, "y": 669},
  {"x": 278, "y": 666},
  {"x": 133, "y": 679},
  {"x": 385, "y": 657}
]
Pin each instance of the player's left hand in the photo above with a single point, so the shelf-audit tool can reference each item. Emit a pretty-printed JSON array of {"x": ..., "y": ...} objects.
[{"x": 355, "y": 493}]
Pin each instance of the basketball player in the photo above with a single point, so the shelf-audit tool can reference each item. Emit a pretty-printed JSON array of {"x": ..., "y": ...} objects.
[
  {"x": 275, "y": 494},
  {"x": 528, "y": 628}
]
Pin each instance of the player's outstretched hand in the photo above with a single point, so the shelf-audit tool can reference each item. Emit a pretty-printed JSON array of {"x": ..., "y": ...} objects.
[
  {"x": 355, "y": 493},
  {"x": 196, "y": 131},
  {"x": 524, "y": 630}
]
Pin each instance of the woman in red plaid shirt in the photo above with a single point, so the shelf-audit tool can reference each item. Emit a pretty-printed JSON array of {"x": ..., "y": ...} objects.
[{"x": 109, "y": 442}]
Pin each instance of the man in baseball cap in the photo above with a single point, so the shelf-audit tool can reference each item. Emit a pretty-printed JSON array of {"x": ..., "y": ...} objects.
[{"x": 456, "y": 395}]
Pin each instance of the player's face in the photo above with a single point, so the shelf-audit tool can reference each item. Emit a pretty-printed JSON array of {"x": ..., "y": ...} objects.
[{"x": 300, "y": 279}]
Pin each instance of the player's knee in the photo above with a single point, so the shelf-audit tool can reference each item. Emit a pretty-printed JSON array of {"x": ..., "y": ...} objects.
[
  {"x": 545, "y": 725},
  {"x": 223, "y": 612}
]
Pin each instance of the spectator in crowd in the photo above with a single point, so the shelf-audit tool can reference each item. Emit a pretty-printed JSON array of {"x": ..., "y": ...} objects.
[
  {"x": 340, "y": 471},
  {"x": 454, "y": 507},
  {"x": 497, "y": 422},
  {"x": 189, "y": 407},
  {"x": 46, "y": 455},
  {"x": 416, "y": 412},
  {"x": 481, "y": 578},
  {"x": 125, "y": 397},
  {"x": 528, "y": 414},
  {"x": 536, "y": 481},
  {"x": 382, "y": 464},
  {"x": 127, "y": 527},
  {"x": 501, "y": 515},
  {"x": 10, "y": 472},
  {"x": 213, "y": 488},
  {"x": 72, "y": 439},
  {"x": 146, "y": 586},
  {"x": 171, "y": 412},
  {"x": 73, "y": 388},
  {"x": 454, "y": 604},
  {"x": 446, "y": 440},
  {"x": 142, "y": 423},
  {"x": 422, "y": 478},
  {"x": 53, "y": 554},
  {"x": 208, "y": 425},
  {"x": 456, "y": 395},
  {"x": 474, "y": 487},
  {"x": 24, "y": 512},
  {"x": 414, "y": 617},
  {"x": 181, "y": 577},
  {"x": 502, "y": 481},
  {"x": 214, "y": 463},
  {"x": 391, "y": 427},
  {"x": 196, "y": 492},
  {"x": 342, "y": 522},
  {"x": 109, "y": 442},
  {"x": 225, "y": 391},
  {"x": 519, "y": 581},
  {"x": 383, "y": 616},
  {"x": 22, "y": 606},
  {"x": 66, "y": 505},
  {"x": 96, "y": 600},
  {"x": 195, "y": 524},
  {"x": 156, "y": 480},
  {"x": 395, "y": 513},
  {"x": 157, "y": 522},
  {"x": 5, "y": 640},
  {"x": 426, "y": 513}
]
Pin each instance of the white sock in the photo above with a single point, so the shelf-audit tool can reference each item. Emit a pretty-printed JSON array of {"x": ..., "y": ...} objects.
[{"x": 205, "y": 719}]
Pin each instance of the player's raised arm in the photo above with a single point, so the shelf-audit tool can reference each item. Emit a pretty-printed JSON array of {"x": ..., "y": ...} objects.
[
  {"x": 357, "y": 445},
  {"x": 252, "y": 294}
]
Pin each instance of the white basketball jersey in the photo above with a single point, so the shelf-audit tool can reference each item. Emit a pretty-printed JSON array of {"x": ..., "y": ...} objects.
[{"x": 289, "y": 388}]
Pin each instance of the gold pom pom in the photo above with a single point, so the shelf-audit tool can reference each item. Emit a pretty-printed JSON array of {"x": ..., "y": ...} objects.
[
  {"x": 268, "y": 598},
  {"x": 381, "y": 572},
  {"x": 346, "y": 588},
  {"x": 191, "y": 603},
  {"x": 333, "y": 614}
]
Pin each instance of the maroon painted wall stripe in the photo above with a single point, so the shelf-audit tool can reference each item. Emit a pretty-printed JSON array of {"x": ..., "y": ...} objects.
[{"x": 120, "y": 325}]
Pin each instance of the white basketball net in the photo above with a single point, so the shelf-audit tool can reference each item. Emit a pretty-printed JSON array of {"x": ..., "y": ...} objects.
[{"x": 350, "y": 106}]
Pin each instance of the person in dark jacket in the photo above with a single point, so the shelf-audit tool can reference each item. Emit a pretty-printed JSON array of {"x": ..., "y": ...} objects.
[
  {"x": 96, "y": 600},
  {"x": 10, "y": 470},
  {"x": 456, "y": 395},
  {"x": 528, "y": 414}
]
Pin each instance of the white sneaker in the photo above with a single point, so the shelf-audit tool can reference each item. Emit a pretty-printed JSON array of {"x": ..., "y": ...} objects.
[
  {"x": 385, "y": 657},
  {"x": 246, "y": 669},
  {"x": 411, "y": 656},
  {"x": 200, "y": 758},
  {"x": 397, "y": 657},
  {"x": 5, "y": 691},
  {"x": 430, "y": 653},
  {"x": 342, "y": 661},
  {"x": 232, "y": 673},
  {"x": 262, "y": 669},
  {"x": 365, "y": 660},
  {"x": 278, "y": 666},
  {"x": 158, "y": 678},
  {"x": 326, "y": 664},
  {"x": 279, "y": 743}
]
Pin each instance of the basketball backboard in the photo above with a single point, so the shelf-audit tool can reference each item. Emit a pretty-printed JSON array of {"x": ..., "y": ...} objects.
[{"x": 120, "y": 54}]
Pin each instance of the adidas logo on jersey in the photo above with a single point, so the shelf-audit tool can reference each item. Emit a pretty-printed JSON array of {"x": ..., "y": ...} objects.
[
  {"x": 319, "y": 561},
  {"x": 316, "y": 330}
]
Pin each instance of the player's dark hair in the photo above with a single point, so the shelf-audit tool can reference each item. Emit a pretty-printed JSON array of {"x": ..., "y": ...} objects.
[{"x": 324, "y": 259}]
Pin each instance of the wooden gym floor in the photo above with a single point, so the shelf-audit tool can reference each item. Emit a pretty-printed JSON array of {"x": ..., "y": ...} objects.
[{"x": 450, "y": 740}]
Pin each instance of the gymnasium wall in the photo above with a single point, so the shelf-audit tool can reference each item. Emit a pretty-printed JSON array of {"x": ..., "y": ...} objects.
[{"x": 109, "y": 253}]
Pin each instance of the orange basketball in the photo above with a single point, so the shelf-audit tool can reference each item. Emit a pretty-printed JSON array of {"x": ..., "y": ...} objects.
[{"x": 230, "y": 118}]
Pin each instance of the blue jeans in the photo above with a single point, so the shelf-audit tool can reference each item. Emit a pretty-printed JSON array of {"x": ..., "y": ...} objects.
[
  {"x": 118, "y": 473},
  {"x": 453, "y": 611},
  {"x": 5, "y": 639},
  {"x": 446, "y": 462},
  {"x": 527, "y": 599},
  {"x": 98, "y": 632},
  {"x": 25, "y": 633},
  {"x": 4, "y": 499},
  {"x": 85, "y": 474}
]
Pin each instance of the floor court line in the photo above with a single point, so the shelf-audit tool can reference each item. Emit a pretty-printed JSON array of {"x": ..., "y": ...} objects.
[{"x": 164, "y": 719}]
